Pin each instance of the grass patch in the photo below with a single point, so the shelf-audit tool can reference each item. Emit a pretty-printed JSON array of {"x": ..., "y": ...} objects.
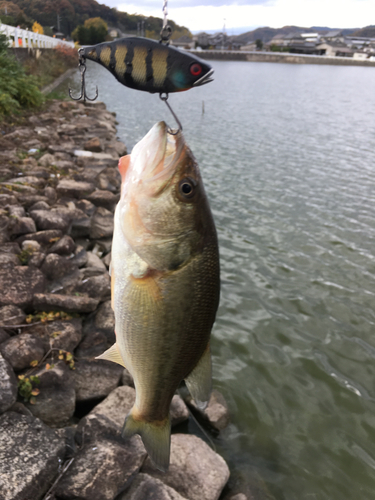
[{"x": 51, "y": 64}]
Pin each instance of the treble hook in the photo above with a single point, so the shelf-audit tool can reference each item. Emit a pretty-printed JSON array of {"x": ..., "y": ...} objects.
[
  {"x": 164, "y": 97},
  {"x": 82, "y": 68}
]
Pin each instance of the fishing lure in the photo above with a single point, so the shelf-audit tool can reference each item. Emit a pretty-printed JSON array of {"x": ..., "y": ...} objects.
[{"x": 144, "y": 64}]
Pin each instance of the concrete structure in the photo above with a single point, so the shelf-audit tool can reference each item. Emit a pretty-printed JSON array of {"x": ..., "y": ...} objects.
[
  {"x": 23, "y": 38},
  {"x": 281, "y": 57}
]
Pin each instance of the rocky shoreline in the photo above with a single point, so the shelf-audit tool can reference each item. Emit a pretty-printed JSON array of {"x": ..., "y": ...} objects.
[{"x": 61, "y": 411}]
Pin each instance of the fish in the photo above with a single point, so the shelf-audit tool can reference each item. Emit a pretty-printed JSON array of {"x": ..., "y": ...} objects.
[
  {"x": 165, "y": 281},
  {"x": 144, "y": 64}
]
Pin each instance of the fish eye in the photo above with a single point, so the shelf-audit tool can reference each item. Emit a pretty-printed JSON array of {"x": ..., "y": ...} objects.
[
  {"x": 187, "y": 187},
  {"x": 195, "y": 69}
]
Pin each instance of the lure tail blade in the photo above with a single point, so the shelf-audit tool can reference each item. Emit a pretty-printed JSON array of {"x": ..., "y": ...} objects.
[{"x": 156, "y": 437}]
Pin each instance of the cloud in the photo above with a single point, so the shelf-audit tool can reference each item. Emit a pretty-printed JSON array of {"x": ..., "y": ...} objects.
[{"x": 199, "y": 15}]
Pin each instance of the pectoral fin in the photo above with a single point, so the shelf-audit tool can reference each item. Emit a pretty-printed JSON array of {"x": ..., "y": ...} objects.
[
  {"x": 199, "y": 382},
  {"x": 112, "y": 354}
]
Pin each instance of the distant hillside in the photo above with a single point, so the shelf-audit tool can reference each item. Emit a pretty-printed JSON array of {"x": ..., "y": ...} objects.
[
  {"x": 368, "y": 31},
  {"x": 266, "y": 34},
  {"x": 75, "y": 12}
]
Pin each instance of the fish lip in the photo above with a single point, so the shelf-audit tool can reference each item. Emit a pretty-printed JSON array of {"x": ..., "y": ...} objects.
[{"x": 205, "y": 79}]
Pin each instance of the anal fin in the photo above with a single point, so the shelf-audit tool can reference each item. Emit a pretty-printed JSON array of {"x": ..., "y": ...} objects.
[
  {"x": 199, "y": 381},
  {"x": 112, "y": 354}
]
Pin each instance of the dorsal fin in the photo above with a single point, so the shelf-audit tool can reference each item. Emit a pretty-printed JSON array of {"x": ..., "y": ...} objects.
[{"x": 112, "y": 354}]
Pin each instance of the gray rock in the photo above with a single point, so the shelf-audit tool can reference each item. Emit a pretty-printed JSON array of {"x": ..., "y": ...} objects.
[
  {"x": 107, "y": 259},
  {"x": 94, "y": 261},
  {"x": 48, "y": 219},
  {"x": 16, "y": 211},
  {"x": 7, "y": 199},
  {"x": 67, "y": 303},
  {"x": 27, "y": 200},
  {"x": 109, "y": 179},
  {"x": 3, "y": 335},
  {"x": 94, "y": 145},
  {"x": 101, "y": 224},
  {"x": 45, "y": 238},
  {"x": 55, "y": 403},
  {"x": 36, "y": 259},
  {"x": 179, "y": 412},
  {"x": 93, "y": 344},
  {"x": 9, "y": 259},
  {"x": 105, "y": 320},
  {"x": 216, "y": 412},
  {"x": 127, "y": 378},
  {"x": 60, "y": 334},
  {"x": 89, "y": 272},
  {"x": 239, "y": 496},
  {"x": 30, "y": 456},
  {"x": 10, "y": 247},
  {"x": 75, "y": 189},
  {"x": 80, "y": 256},
  {"x": 86, "y": 206},
  {"x": 21, "y": 350},
  {"x": 64, "y": 246},
  {"x": 39, "y": 205},
  {"x": 195, "y": 471},
  {"x": 47, "y": 160},
  {"x": 21, "y": 225},
  {"x": 8, "y": 388},
  {"x": 50, "y": 194},
  {"x": 31, "y": 180},
  {"x": 95, "y": 379},
  {"x": 97, "y": 287},
  {"x": 102, "y": 198},
  {"x": 145, "y": 487},
  {"x": 20, "y": 408},
  {"x": 19, "y": 286},
  {"x": 55, "y": 266},
  {"x": 101, "y": 470},
  {"x": 80, "y": 227},
  {"x": 115, "y": 407},
  {"x": 11, "y": 315}
]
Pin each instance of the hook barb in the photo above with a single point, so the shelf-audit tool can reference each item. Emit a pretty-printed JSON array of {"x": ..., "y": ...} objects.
[
  {"x": 82, "y": 68},
  {"x": 164, "y": 97}
]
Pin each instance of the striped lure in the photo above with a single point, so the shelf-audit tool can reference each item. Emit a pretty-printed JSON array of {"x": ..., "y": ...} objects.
[{"x": 144, "y": 64}]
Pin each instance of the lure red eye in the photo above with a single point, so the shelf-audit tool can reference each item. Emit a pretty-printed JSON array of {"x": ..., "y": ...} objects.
[{"x": 195, "y": 69}]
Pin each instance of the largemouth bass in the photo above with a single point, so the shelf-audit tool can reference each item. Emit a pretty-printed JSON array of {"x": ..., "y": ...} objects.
[
  {"x": 144, "y": 64},
  {"x": 165, "y": 283}
]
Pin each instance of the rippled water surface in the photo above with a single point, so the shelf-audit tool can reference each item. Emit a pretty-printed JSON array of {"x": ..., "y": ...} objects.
[{"x": 287, "y": 156}]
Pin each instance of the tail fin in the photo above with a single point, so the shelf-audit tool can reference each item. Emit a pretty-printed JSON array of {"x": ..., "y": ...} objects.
[{"x": 156, "y": 437}]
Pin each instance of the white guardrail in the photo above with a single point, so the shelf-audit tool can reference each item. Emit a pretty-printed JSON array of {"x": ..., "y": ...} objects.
[{"x": 24, "y": 38}]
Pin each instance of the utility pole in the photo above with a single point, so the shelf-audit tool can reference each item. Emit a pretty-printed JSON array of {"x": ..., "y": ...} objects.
[{"x": 58, "y": 23}]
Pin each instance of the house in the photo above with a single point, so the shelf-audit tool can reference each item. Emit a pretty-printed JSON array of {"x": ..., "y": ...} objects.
[
  {"x": 303, "y": 47},
  {"x": 333, "y": 36},
  {"x": 202, "y": 39},
  {"x": 250, "y": 47},
  {"x": 184, "y": 42},
  {"x": 334, "y": 49},
  {"x": 311, "y": 37},
  {"x": 360, "y": 55},
  {"x": 278, "y": 40}
]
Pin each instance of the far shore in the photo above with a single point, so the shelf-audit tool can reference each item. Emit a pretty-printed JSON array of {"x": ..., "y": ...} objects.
[{"x": 279, "y": 57}]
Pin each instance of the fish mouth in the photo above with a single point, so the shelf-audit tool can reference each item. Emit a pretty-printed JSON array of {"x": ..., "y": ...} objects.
[
  {"x": 154, "y": 157},
  {"x": 205, "y": 79}
]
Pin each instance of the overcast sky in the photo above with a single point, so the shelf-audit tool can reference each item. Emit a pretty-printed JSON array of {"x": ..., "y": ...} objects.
[{"x": 210, "y": 14}]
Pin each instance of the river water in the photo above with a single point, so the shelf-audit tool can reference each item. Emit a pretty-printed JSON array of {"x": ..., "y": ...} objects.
[{"x": 287, "y": 156}]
